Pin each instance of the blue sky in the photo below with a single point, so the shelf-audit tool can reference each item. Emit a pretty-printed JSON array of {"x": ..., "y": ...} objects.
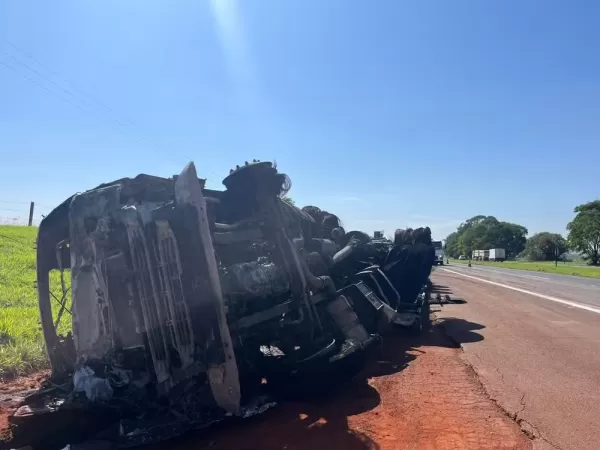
[{"x": 388, "y": 113}]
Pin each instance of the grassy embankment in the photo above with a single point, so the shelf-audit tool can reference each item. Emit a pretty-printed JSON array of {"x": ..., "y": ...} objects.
[
  {"x": 21, "y": 344},
  {"x": 575, "y": 268}
]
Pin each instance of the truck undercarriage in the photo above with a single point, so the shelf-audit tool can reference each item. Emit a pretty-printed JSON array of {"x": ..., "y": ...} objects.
[{"x": 191, "y": 305}]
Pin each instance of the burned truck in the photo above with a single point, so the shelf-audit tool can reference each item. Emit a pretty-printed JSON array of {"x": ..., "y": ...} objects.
[{"x": 190, "y": 304}]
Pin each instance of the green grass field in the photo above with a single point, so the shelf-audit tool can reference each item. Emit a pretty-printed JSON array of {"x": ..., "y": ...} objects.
[
  {"x": 21, "y": 344},
  {"x": 577, "y": 269}
]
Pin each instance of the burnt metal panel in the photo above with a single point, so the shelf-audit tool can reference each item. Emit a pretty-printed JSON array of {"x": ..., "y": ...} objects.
[
  {"x": 89, "y": 227},
  {"x": 146, "y": 284},
  {"x": 170, "y": 271},
  {"x": 206, "y": 304},
  {"x": 128, "y": 324}
]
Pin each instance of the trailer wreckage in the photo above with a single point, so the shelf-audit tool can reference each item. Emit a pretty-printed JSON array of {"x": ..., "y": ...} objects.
[{"x": 190, "y": 305}]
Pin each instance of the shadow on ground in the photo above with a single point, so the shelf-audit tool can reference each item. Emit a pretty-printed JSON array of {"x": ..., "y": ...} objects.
[
  {"x": 460, "y": 331},
  {"x": 446, "y": 294},
  {"x": 292, "y": 426},
  {"x": 324, "y": 423}
]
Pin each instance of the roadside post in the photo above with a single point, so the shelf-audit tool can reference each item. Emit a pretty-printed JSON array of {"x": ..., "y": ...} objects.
[{"x": 30, "y": 221}]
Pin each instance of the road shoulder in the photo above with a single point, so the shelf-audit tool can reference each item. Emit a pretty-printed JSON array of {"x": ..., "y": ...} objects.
[{"x": 536, "y": 359}]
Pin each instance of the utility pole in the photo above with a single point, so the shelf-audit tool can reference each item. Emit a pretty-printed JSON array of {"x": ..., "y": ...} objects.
[{"x": 31, "y": 214}]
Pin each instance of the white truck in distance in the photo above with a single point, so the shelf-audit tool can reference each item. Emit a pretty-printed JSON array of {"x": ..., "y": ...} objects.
[
  {"x": 497, "y": 254},
  {"x": 439, "y": 253}
]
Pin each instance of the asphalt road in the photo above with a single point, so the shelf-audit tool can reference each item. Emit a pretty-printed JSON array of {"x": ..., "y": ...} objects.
[
  {"x": 581, "y": 290},
  {"x": 534, "y": 341}
]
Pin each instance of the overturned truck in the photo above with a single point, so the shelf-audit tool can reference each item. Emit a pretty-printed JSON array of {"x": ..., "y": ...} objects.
[{"x": 190, "y": 305}]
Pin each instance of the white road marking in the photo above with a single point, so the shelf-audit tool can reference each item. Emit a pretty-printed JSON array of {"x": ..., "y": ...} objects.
[{"x": 535, "y": 294}]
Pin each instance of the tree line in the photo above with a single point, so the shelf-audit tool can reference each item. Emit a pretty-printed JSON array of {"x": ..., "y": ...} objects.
[{"x": 486, "y": 232}]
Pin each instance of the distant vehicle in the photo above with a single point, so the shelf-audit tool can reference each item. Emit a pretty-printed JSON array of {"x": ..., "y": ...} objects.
[
  {"x": 481, "y": 255},
  {"x": 439, "y": 253},
  {"x": 497, "y": 254},
  {"x": 462, "y": 257}
]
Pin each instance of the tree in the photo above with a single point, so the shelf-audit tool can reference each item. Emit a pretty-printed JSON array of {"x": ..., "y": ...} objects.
[
  {"x": 511, "y": 237},
  {"x": 290, "y": 200},
  {"x": 543, "y": 246},
  {"x": 452, "y": 245},
  {"x": 485, "y": 232},
  {"x": 584, "y": 231}
]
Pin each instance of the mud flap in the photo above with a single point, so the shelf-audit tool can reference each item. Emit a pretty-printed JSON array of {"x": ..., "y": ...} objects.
[{"x": 221, "y": 363}]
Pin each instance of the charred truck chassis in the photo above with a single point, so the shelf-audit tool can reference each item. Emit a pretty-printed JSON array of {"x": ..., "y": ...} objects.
[
  {"x": 398, "y": 273},
  {"x": 197, "y": 302}
]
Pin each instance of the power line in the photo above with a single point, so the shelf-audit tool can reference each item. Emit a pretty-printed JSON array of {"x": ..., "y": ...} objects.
[
  {"x": 81, "y": 98},
  {"x": 12, "y": 201},
  {"x": 38, "y": 206},
  {"x": 26, "y": 77},
  {"x": 61, "y": 97},
  {"x": 42, "y": 86},
  {"x": 12, "y": 210},
  {"x": 44, "y": 66},
  {"x": 41, "y": 75},
  {"x": 29, "y": 56},
  {"x": 123, "y": 127},
  {"x": 55, "y": 73}
]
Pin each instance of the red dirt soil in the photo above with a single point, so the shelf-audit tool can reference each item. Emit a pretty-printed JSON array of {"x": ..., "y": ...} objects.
[
  {"x": 414, "y": 396},
  {"x": 12, "y": 393}
]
